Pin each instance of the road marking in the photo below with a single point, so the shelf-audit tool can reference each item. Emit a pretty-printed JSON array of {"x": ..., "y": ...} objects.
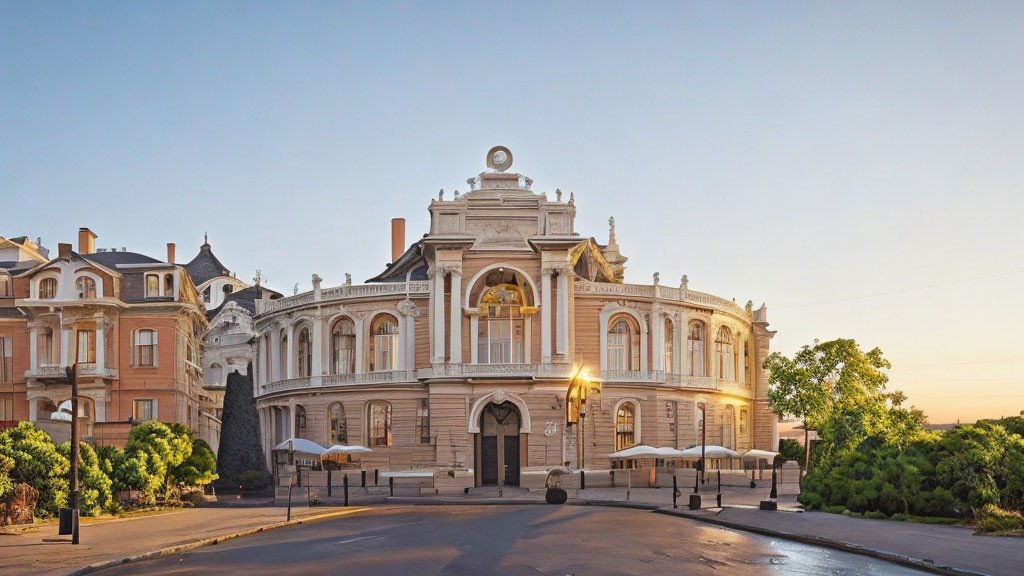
[{"x": 357, "y": 539}]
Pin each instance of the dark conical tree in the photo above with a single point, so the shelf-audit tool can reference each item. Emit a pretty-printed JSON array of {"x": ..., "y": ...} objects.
[{"x": 240, "y": 448}]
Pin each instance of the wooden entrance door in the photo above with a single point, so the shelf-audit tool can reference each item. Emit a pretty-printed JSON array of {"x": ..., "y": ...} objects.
[{"x": 499, "y": 444}]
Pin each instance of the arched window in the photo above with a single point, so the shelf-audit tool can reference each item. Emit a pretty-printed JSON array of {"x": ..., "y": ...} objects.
[
  {"x": 336, "y": 419},
  {"x": 379, "y": 424},
  {"x": 152, "y": 285},
  {"x": 305, "y": 354},
  {"x": 5, "y": 286},
  {"x": 216, "y": 376},
  {"x": 300, "y": 421},
  {"x": 343, "y": 347},
  {"x": 625, "y": 426},
  {"x": 501, "y": 327},
  {"x": 228, "y": 289},
  {"x": 670, "y": 337},
  {"x": 168, "y": 285},
  {"x": 206, "y": 295},
  {"x": 145, "y": 347},
  {"x": 623, "y": 344},
  {"x": 86, "y": 287},
  {"x": 695, "y": 349},
  {"x": 724, "y": 357},
  {"x": 282, "y": 353},
  {"x": 48, "y": 288},
  {"x": 384, "y": 343},
  {"x": 45, "y": 349}
]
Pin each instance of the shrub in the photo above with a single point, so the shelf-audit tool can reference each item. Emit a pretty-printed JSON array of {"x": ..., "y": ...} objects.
[
  {"x": 875, "y": 515},
  {"x": 995, "y": 519},
  {"x": 253, "y": 480},
  {"x": 38, "y": 464},
  {"x": 94, "y": 484},
  {"x": 834, "y": 509}
]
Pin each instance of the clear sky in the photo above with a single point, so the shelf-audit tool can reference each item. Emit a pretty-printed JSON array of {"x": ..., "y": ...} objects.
[{"x": 802, "y": 154}]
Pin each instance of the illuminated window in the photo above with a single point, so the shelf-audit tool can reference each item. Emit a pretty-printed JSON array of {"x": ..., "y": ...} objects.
[
  {"x": 423, "y": 421},
  {"x": 623, "y": 344},
  {"x": 343, "y": 347},
  {"x": 145, "y": 347},
  {"x": 384, "y": 343},
  {"x": 48, "y": 288},
  {"x": 625, "y": 424},
  {"x": 305, "y": 354},
  {"x": 502, "y": 327},
  {"x": 379, "y": 424},
  {"x": 724, "y": 356},
  {"x": 695, "y": 349},
  {"x": 339, "y": 428}
]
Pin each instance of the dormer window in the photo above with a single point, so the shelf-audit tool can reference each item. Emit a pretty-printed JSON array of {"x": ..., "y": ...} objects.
[
  {"x": 152, "y": 286},
  {"x": 168, "y": 285},
  {"x": 5, "y": 286},
  {"x": 48, "y": 288},
  {"x": 206, "y": 295},
  {"x": 86, "y": 287}
]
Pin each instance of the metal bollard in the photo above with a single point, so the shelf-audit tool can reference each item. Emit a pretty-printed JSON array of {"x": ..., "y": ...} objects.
[
  {"x": 719, "y": 497},
  {"x": 328, "y": 483},
  {"x": 675, "y": 491},
  {"x": 376, "y": 473},
  {"x": 345, "y": 483},
  {"x": 362, "y": 478},
  {"x": 583, "y": 480},
  {"x": 391, "y": 484}
]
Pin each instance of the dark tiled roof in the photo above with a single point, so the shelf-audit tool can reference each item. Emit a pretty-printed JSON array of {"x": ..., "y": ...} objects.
[
  {"x": 16, "y": 267},
  {"x": 246, "y": 298},
  {"x": 205, "y": 266},
  {"x": 112, "y": 259},
  {"x": 11, "y": 313}
]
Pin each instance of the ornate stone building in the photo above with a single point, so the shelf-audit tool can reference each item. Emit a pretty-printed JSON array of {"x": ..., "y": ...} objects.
[{"x": 469, "y": 350}]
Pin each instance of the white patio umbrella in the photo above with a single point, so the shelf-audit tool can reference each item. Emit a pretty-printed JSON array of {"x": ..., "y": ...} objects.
[
  {"x": 301, "y": 445},
  {"x": 349, "y": 449},
  {"x": 645, "y": 451},
  {"x": 759, "y": 455},
  {"x": 710, "y": 451}
]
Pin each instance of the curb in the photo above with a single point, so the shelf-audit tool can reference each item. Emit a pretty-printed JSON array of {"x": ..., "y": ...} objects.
[
  {"x": 417, "y": 501},
  {"x": 211, "y": 541},
  {"x": 902, "y": 560}
]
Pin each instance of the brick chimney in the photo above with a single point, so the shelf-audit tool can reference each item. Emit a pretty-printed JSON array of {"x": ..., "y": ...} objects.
[
  {"x": 397, "y": 238},
  {"x": 63, "y": 250},
  {"x": 86, "y": 241},
  {"x": 170, "y": 252}
]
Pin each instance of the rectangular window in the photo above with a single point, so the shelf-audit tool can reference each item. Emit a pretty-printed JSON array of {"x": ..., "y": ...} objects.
[
  {"x": 380, "y": 424},
  {"x": 423, "y": 421},
  {"x": 144, "y": 410},
  {"x": 152, "y": 286},
  {"x": 86, "y": 346},
  {"x": 6, "y": 360},
  {"x": 6, "y": 408},
  {"x": 5, "y": 286},
  {"x": 618, "y": 351},
  {"x": 743, "y": 422},
  {"x": 145, "y": 348},
  {"x": 44, "y": 347}
]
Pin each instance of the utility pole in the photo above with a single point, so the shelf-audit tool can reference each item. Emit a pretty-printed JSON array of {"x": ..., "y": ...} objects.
[{"x": 71, "y": 372}]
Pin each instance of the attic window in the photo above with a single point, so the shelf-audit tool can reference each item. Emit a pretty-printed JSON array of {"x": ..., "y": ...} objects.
[
  {"x": 152, "y": 286},
  {"x": 228, "y": 289}
]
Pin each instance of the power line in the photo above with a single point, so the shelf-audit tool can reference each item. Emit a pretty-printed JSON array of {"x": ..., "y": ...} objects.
[{"x": 899, "y": 291}]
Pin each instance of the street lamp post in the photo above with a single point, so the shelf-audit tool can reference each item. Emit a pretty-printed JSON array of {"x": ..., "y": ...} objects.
[
  {"x": 703, "y": 437},
  {"x": 71, "y": 372}
]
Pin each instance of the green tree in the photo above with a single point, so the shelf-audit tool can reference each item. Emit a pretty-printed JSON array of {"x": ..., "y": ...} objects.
[
  {"x": 94, "y": 485},
  {"x": 164, "y": 447},
  {"x": 200, "y": 467},
  {"x": 38, "y": 464},
  {"x": 6, "y": 484}
]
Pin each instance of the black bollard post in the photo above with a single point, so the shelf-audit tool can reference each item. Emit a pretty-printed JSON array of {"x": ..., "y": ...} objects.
[
  {"x": 376, "y": 473},
  {"x": 775, "y": 490},
  {"x": 583, "y": 480},
  {"x": 362, "y": 478},
  {"x": 675, "y": 491},
  {"x": 719, "y": 497},
  {"x": 696, "y": 480},
  {"x": 328, "y": 483},
  {"x": 345, "y": 483},
  {"x": 391, "y": 484},
  {"x": 298, "y": 471}
]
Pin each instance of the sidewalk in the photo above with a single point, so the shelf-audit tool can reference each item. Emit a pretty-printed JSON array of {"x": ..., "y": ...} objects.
[
  {"x": 42, "y": 551},
  {"x": 937, "y": 548}
]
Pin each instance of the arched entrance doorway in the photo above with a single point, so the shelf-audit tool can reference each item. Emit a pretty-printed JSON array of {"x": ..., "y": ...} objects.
[{"x": 499, "y": 447}]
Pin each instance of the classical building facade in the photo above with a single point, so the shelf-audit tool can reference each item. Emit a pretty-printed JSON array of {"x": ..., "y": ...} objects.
[
  {"x": 504, "y": 340},
  {"x": 132, "y": 324}
]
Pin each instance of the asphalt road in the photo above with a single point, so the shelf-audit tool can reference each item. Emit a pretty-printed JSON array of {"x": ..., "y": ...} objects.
[{"x": 479, "y": 540}]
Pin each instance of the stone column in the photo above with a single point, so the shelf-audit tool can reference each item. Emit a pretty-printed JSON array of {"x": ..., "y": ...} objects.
[
  {"x": 545, "y": 316},
  {"x": 289, "y": 369},
  {"x": 437, "y": 315},
  {"x": 316, "y": 368},
  {"x": 455, "y": 331},
  {"x": 562, "y": 334},
  {"x": 658, "y": 325},
  {"x": 33, "y": 348},
  {"x": 741, "y": 373},
  {"x": 275, "y": 354},
  {"x": 474, "y": 340}
]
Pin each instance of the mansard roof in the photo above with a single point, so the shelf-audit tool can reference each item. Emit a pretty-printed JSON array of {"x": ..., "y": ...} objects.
[
  {"x": 113, "y": 259},
  {"x": 205, "y": 266},
  {"x": 246, "y": 298}
]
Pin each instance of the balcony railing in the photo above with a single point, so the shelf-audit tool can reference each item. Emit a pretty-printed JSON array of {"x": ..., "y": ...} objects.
[
  {"x": 632, "y": 376},
  {"x": 418, "y": 287},
  {"x": 512, "y": 370},
  {"x": 686, "y": 381},
  {"x": 85, "y": 370},
  {"x": 331, "y": 380}
]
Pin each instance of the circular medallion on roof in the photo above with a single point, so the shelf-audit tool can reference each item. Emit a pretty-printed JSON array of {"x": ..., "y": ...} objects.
[{"x": 499, "y": 158}]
